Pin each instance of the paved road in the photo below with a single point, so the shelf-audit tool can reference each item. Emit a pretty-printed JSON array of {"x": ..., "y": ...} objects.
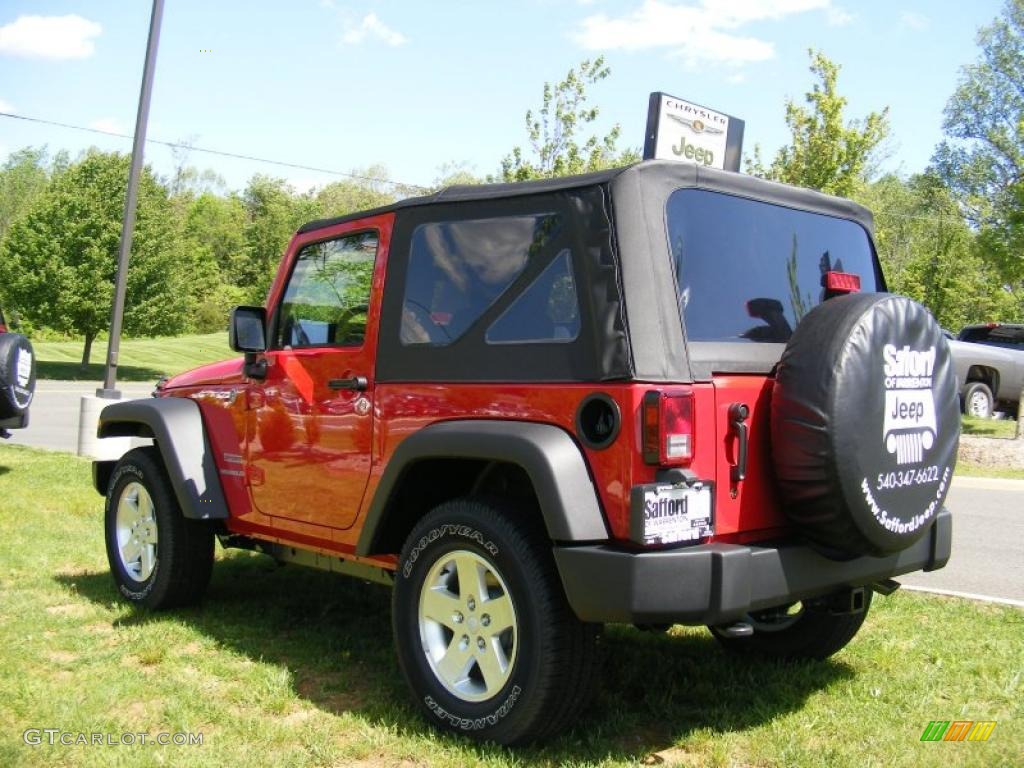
[
  {"x": 988, "y": 541},
  {"x": 988, "y": 523},
  {"x": 53, "y": 419}
]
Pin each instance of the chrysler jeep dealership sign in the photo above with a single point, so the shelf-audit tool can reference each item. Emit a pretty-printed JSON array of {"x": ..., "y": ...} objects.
[{"x": 681, "y": 130}]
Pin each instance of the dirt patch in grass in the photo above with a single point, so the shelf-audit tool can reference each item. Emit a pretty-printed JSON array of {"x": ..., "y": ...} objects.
[{"x": 992, "y": 452}]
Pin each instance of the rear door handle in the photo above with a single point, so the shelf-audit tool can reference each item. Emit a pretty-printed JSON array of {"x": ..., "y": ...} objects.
[
  {"x": 356, "y": 383},
  {"x": 738, "y": 413}
]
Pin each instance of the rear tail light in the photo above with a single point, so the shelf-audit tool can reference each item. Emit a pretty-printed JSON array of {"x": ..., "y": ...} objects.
[{"x": 667, "y": 428}]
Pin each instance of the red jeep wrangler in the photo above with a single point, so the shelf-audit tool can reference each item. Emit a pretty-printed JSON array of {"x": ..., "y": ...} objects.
[{"x": 661, "y": 394}]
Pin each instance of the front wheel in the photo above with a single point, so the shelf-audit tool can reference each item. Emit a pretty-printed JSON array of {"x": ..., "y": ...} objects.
[
  {"x": 159, "y": 558},
  {"x": 978, "y": 400},
  {"x": 485, "y": 637},
  {"x": 807, "y": 630}
]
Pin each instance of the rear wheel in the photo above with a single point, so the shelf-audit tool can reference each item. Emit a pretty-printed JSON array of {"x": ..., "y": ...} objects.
[
  {"x": 978, "y": 400},
  {"x": 159, "y": 558},
  {"x": 485, "y": 637},
  {"x": 803, "y": 630}
]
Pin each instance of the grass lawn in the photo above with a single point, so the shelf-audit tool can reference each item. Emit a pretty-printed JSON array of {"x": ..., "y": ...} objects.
[
  {"x": 971, "y": 425},
  {"x": 140, "y": 359},
  {"x": 285, "y": 666},
  {"x": 967, "y": 469}
]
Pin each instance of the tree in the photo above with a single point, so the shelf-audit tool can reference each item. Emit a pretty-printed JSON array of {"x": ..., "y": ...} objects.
[
  {"x": 983, "y": 158},
  {"x": 23, "y": 179},
  {"x": 58, "y": 261},
  {"x": 366, "y": 189},
  {"x": 273, "y": 213},
  {"x": 825, "y": 153},
  {"x": 215, "y": 248},
  {"x": 453, "y": 174},
  {"x": 929, "y": 252},
  {"x": 553, "y": 131}
]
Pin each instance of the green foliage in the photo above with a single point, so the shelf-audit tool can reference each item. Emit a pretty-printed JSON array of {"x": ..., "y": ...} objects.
[
  {"x": 23, "y": 178},
  {"x": 58, "y": 261},
  {"x": 273, "y": 213},
  {"x": 455, "y": 174},
  {"x": 564, "y": 113},
  {"x": 929, "y": 252},
  {"x": 983, "y": 160},
  {"x": 356, "y": 194},
  {"x": 825, "y": 153}
]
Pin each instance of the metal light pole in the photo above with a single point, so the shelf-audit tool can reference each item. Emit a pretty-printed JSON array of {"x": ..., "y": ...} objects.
[{"x": 128, "y": 224}]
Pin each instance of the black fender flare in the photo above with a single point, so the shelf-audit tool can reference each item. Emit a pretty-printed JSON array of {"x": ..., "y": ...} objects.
[
  {"x": 549, "y": 456},
  {"x": 176, "y": 425}
]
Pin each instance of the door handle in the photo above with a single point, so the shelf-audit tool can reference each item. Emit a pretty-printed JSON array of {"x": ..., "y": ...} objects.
[
  {"x": 356, "y": 383},
  {"x": 738, "y": 413}
]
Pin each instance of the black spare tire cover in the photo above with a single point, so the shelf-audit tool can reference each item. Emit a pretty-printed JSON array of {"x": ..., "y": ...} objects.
[
  {"x": 17, "y": 375},
  {"x": 865, "y": 424}
]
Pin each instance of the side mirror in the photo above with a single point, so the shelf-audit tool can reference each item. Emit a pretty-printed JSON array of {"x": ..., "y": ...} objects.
[{"x": 247, "y": 332}]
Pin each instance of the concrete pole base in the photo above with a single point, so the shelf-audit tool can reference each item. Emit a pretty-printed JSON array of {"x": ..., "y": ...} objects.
[{"x": 107, "y": 449}]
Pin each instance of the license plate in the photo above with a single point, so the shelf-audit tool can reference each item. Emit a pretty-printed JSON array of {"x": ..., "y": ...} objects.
[{"x": 670, "y": 514}]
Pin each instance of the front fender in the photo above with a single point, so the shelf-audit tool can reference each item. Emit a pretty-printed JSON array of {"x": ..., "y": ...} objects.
[
  {"x": 549, "y": 456},
  {"x": 176, "y": 425}
]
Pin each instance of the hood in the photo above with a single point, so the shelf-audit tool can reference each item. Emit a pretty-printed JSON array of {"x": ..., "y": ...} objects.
[{"x": 224, "y": 372}]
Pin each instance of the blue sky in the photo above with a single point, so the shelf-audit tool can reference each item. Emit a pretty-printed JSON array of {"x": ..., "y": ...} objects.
[{"x": 414, "y": 85}]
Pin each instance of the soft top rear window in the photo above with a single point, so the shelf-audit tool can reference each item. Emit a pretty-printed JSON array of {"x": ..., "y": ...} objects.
[{"x": 748, "y": 271}]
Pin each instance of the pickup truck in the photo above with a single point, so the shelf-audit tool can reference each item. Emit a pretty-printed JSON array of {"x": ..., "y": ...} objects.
[{"x": 989, "y": 361}]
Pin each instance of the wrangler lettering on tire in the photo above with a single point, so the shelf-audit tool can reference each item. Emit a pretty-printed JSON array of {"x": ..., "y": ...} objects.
[{"x": 484, "y": 635}]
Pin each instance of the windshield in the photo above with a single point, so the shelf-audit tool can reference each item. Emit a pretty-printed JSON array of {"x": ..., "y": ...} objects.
[{"x": 748, "y": 271}]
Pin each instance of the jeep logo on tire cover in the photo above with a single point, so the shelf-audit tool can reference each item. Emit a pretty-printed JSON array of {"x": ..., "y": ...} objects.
[{"x": 910, "y": 426}]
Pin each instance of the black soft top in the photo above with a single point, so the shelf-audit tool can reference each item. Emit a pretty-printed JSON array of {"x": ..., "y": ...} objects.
[
  {"x": 657, "y": 173},
  {"x": 636, "y": 330}
]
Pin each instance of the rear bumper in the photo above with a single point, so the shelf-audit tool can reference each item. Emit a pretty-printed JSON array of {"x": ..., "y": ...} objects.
[
  {"x": 14, "y": 422},
  {"x": 718, "y": 583}
]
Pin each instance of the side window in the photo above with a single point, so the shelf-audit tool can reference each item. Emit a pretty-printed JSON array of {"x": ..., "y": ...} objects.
[
  {"x": 547, "y": 311},
  {"x": 327, "y": 297},
  {"x": 457, "y": 269}
]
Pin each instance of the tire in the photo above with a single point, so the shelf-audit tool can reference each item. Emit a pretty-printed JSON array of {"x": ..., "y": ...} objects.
[
  {"x": 158, "y": 558},
  {"x": 977, "y": 400},
  {"x": 17, "y": 375},
  {"x": 865, "y": 424},
  {"x": 811, "y": 633},
  {"x": 508, "y": 685}
]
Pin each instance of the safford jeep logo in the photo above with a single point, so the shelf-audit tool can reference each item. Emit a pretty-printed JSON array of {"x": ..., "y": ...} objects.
[{"x": 910, "y": 427}]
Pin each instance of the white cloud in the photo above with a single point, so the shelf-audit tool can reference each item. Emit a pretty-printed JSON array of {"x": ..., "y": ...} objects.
[
  {"x": 50, "y": 37},
  {"x": 110, "y": 125},
  {"x": 704, "y": 31},
  {"x": 372, "y": 28},
  {"x": 6, "y": 106},
  {"x": 736, "y": 78},
  {"x": 917, "y": 21},
  {"x": 839, "y": 17}
]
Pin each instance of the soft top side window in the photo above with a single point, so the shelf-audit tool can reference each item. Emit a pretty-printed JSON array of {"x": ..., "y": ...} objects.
[{"x": 458, "y": 269}]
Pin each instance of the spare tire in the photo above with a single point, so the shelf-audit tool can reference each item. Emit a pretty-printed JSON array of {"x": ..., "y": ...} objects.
[
  {"x": 865, "y": 424},
  {"x": 17, "y": 375}
]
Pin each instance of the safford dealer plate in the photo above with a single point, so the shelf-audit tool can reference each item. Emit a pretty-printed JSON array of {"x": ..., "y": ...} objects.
[{"x": 671, "y": 514}]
